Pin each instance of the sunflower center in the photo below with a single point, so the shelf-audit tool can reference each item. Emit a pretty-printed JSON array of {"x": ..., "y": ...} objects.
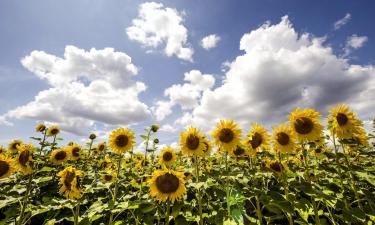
[
  {"x": 122, "y": 140},
  {"x": 107, "y": 177},
  {"x": 75, "y": 151},
  {"x": 239, "y": 151},
  {"x": 69, "y": 177},
  {"x": 23, "y": 158},
  {"x": 303, "y": 125},
  {"x": 226, "y": 135},
  {"x": 342, "y": 119},
  {"x": 283, "y": 138},
  {"x": 276, "y": 166},
  {"x": 256, "y": 140},
  {"x": 167, "y": 183},
  {"x": 192, "y": 142},
  {"x": 60, "y": 155},
  {"x": 15, "y": 145},
  {"x": 4, "y": 168},
  {"x": 54, "y": 131},
  {"x": 167, "y": 156}
]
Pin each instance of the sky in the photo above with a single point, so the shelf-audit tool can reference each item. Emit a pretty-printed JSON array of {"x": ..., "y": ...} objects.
[{"x": 93, "y": 66}]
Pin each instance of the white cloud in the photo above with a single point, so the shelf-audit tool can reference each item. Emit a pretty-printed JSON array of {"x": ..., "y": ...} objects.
[
  {"x": 85, "y": 87},
  {"x": 210, "y": 41},
  {"x": 185, "y": 95},
  {"x": 156, "y": 25},
  {"x": 354, "y": 42},
  {"x": 341, "y": 22},
  {"x": 168, "y": 128},
  {"x": 278, "y": 71}
]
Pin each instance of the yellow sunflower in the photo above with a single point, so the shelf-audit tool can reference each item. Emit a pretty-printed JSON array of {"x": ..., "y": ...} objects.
[
  {"x": 7, "y": 166},
  {"x": 277, "y": 167},
  {"x": 343, "y": 122},
  {"x": 75, "y": 151},
  {"x": 167, "y": 156},
  {"x": 109, "y": 176},
  {"x": 283, "y": 139},
  {"x": 305, "y": 124},
  {"x": 121, "y": 140},
  {"x": 2, "y": 149},
  {"x": 40, "y": 127},
  {"x": 208, "y": 147},
  {"x": 53, "y": 130},
  {"x": 258, "y": 138},
  {"x": 101, "y": 147},
  {"x": 167, "y": 185},
  {"x": 58, "y": 156},
  {"x": 361, "y": 137},
  {"x": 105, "y": 163},
  {"x": 239, "y": 151},
  {"x": 24, "y": 158},
  {"x": 14, "y": 145},
  {"x": 227, "y": 135},
  {"x": 69, "y": 181},
  {"x": 192, "y": 142}
]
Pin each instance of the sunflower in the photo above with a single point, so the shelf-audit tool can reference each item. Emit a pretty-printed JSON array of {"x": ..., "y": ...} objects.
[
  {"x": 360, "y": 137},
  {"x": 59, "y": 156},
  {"x": 167, "y": 185},
  {"x": 75, "y": 151},
  {"x": 69, "y": 181},
  {"x": 343, "y": 122},
  {"x": 105, "y": 163},
  {"x": 258, "y": 138},
  {"x": 2, "y": 149},
  {"x": 239, "y": 151},
  {"x": 227, "y": 135},
  {"x": 109, "y": 176},
  {"x": 53, "y": 130},
  {"x": 305, "y": 124},
  {"x": 101, "y": 147},
  {"x": 167, "y": 156},
  {"x": 121, "y": 140},
  {"x": 40, "y": 127},
  {"x": 24, "y": 158},
  {"x": 277, "y": 167},
  {"x": 6, "y": 166},
  {"x": 283, "y": 139},
  {"x": 192, "y": 142},
  {"x": 208, "y": 147},
  {"x": 14, "y": 145}
]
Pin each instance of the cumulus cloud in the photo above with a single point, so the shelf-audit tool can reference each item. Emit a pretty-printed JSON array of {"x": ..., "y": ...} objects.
[
  {"x": 279, "y": 70},
  {"x": 185, "y": 95},
  {"x": 168, "y": 128},
  {"x": 341, "y": 22},
  {"x": 210, "y": 41},
  {"x": 157, "y": 25},
  {"x": 85, "y": 87},
  {"x": 354, "y": 42}
]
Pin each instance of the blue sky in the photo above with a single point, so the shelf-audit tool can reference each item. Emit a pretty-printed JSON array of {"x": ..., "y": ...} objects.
[{"x": 50, "y": 26}]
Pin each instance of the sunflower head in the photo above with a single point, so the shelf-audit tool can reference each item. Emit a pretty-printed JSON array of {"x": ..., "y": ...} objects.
[
  {"x": 167, "y": 156},
  {"x": 2, "y": 149},
  {"x": 92, "y": 136},
  {"x": 7, "y": 166},
  {"x": 58, "y": 156},
  {"x": 277, "y": 167},
  {"x": 101, "y": 147},
  {"x": 208, "y": 147},
  {"x": 109, "y": 176},
  {"x": 40, "y": 127},
  {"x": 121, "y": 140},
  {"x": 24, "y": 158},
  {"x": 105, "y": 163},
  {"x": 283, "y": 139},
  {"x": 192, "y": 142},
  {"x": 227, "y": 135},
  {"x": 360, "y": 137},
  {"x": 53, "y": 130},
  {"x": 75, "y": 151},
  {"x": 305, "y": 124},
  {"x": 258, "y": 138},
  {"x": 69, "y": 182},
  {"x": 240, "y": 151},
  {"x": 167, "y": 185},
  {"x": 342, "y": 122},
  {"x": 154, "y": 128},
  {"x": 14, "y": 145}
]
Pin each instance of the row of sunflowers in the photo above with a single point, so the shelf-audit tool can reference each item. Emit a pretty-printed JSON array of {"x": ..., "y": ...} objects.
[{"x": 301, "y": 174}]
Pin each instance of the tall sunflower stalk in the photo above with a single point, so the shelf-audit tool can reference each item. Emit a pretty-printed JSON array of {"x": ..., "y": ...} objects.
[
  {"x": 196, "y": 161},
  {"x": 114, "y": 195}
]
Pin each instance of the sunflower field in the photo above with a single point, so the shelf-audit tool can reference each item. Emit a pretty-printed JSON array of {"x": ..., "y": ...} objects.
[{"x": 308, "y": 170}]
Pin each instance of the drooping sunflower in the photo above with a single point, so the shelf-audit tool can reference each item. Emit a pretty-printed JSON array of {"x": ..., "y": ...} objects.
[
  {"x": 167, "y": 156},
  {"x": 58, "y": 156},
  {"x": 40, "y": 127},
  {"x": 24, "y": 159},
  {"x": 258, "y": 138},
  {"x": 121, "y": 140},
  {"x": 227, "y": 135},
  {"x": 208, "y": 147},
  {"x": 239, "y": 151},
  {"x": 14, "y": 145},
  {"x": 109, "y": 176},
  {"x": 53, "y": 130},
  {"x": 167, "y": 185},
  {"x": 283, "y": 139},
  {"x": 343, "y": 122},
  {"x": 192, "y": 142},
  {"x": 75, "y": 151},
  {"x": 69, "y": 181},
  {"x": 305, "y": 124},
  {"x": 7, "y": 166}
]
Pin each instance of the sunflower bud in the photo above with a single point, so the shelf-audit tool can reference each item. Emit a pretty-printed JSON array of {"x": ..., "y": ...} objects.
[
  {"x": 155, "y": 128},
  {"x": 156, "y": 141},
  {"x": 92, "y": 136}
]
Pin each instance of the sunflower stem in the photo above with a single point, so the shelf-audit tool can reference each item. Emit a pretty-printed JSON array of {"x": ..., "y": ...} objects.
[
  {"x": 227, "y": 183},
  {"x": 198, "y": 194},
  {"x": 168, "y": 213},
  {"x": 116, "y": 190},
  {"x": 42, "y": 143},
  {"x": 258, "y": 210},
  {"x": 25, "y": 200},
  {"x": 286, "y": 191}
]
